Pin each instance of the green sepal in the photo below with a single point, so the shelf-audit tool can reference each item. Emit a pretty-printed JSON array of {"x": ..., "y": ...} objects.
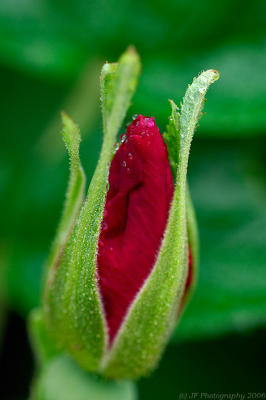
[
  {"x": 41, "y": 342},
  {"x": 172, "y": 139},
  {"x": 59, "y": 377},
  {"x": 74, "y": 195},
  {"x": 73, "y": 310},
  {"x": 151, "y": 318}
]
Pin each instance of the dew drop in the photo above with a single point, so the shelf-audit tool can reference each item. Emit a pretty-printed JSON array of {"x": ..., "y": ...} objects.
[
  {"x": 105, "y": 226},
  {"x": 128, "y": 171},
  {"x": 100, "y": 243},
  {"x": 130, "y": 156},
  {"x": 124, "y": 163},
  {"x": 116, "y": 148},
  {"x": 149, "y": 122},
  {"x": 123, "y": 138}
]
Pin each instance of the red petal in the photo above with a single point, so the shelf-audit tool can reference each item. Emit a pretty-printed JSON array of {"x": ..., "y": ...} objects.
[{"x": 135, "y": 216}]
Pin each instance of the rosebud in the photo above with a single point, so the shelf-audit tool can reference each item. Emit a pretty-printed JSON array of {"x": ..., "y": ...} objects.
[{"x": 123, "y": 263}]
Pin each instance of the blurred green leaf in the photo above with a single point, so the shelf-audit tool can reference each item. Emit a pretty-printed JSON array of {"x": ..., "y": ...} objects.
[
  {"x": 229, "y": 191},
  {"x": 236, "y": 106},
  {"x": 3, "y": 286},
  {"x": 176, "y": 39},
  {"x": 62, "y": 379}
]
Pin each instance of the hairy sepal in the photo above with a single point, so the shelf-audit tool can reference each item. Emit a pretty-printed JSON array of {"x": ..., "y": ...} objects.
[
  {"x": 172, "y": 139},
  {"x": 74, "y": 195},
  {"x": 151, "y": 317},
  {"x": 73, "y": 310}
]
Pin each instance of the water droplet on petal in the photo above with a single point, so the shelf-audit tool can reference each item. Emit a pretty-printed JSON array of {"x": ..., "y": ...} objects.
[
  {"x": 105, "y": 226},
  {"x": 116, "y": 148},
  {"x": 149, "y": 122}
]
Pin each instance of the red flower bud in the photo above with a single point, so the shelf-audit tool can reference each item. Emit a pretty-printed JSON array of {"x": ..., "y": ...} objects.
[
  {"x": 135, "y": 215},
  {"x": 123, "y": 263}
]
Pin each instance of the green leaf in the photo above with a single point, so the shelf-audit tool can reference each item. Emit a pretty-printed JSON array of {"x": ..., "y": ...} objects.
[
  {"x": 150, "y": 318},
  {"x": 73, "y": 306},
  {"x": 62, "y": 379}
]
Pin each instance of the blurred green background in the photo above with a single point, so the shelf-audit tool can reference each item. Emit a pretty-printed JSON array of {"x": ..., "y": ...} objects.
[{"x": 51, "y": 52}]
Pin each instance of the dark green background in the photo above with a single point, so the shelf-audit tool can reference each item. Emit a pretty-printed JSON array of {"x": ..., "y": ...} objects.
[{"x": 50, "y": 57}]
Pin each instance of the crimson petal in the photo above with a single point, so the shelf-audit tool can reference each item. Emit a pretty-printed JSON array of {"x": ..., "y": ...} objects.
[{"x": 135, "y": 215}]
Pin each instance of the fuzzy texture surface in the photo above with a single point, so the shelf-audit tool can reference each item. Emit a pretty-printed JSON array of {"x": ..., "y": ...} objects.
[{"x": 135, "y": 216}]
